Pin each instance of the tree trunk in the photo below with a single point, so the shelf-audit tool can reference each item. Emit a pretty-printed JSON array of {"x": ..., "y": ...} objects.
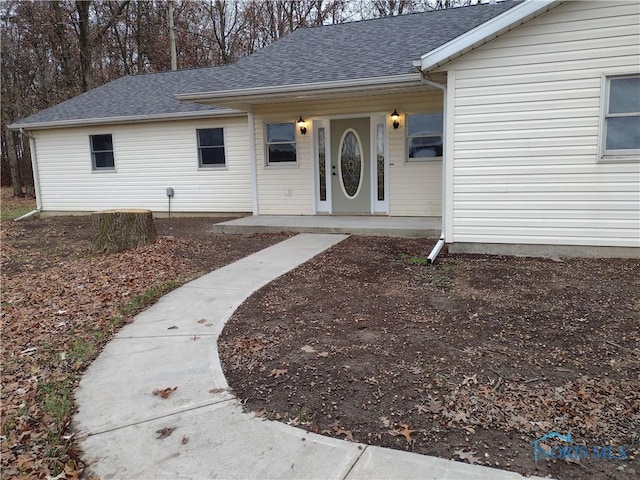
[
  {"x": 12, "y": 156},
  {"x": 85, "y": 43},
  {"x": 67, "y": 70},
  {"x": 117, "y": 230},
  {"x": 139, "y": 43},
  {"x": 172, "y": 38}
]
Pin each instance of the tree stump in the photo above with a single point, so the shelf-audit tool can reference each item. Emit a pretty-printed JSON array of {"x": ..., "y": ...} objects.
[{"x": 117, "y": 230}]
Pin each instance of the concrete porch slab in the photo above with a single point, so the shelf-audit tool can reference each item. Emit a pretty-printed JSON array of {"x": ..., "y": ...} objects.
[{"x": 409, "y": 227}]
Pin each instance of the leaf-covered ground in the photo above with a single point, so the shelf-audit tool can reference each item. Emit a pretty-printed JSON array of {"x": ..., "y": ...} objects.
[
  {"x": 472, "y": 359},
  {"x": 61, "y": 304}
]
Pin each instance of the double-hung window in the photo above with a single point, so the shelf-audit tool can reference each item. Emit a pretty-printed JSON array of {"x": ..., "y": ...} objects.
[
  {"x": 424, "y": 136},
  {"x": 211, "y": 147},
  {"x": 102, "y": 152},
  {"x": 281, "y": 143},
  {"x": 621, "y": 126}
]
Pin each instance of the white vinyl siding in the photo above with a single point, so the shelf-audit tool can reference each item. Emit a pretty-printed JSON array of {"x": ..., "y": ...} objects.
[
  {"x": 527, "y": 130},
  {"x": 414, "y": 188},
  {"x": 150, "y": 158}
]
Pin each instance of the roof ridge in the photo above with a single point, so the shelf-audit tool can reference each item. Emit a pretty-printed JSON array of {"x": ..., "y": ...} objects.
[{"x": 404, "y": 15}]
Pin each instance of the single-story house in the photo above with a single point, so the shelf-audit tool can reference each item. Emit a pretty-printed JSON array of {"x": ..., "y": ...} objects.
[{"x": 517, "y": 123}]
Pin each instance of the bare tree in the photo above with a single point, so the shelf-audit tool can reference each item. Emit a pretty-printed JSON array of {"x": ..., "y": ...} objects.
[{"x": 51, "y": 51}]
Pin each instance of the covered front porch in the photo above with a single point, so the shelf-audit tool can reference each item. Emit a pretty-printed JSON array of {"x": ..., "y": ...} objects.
[{"x": 411, "y": 227}]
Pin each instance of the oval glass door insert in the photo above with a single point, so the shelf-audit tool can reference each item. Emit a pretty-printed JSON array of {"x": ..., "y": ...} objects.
[{"x": 351, "y": 163}]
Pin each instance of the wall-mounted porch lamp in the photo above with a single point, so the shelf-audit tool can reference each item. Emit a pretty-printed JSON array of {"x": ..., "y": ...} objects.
[
  {"x": 302, "y": 125},
  {"x": 395, "y": 118}
]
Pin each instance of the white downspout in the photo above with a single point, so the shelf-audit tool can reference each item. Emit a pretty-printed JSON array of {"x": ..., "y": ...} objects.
[
  {"x": 252, "y": 159},
  {"x": 441, "y": 241},
  {"x": 36, "y": 176}
]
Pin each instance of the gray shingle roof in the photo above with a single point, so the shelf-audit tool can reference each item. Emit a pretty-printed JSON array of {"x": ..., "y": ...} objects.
[{"x": 357, "y": 50}]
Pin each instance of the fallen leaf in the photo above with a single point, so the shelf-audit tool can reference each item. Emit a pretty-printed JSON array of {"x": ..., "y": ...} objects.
[
  {"x": 260, "y": 413},
  {"x": 172, "y": 327},
  {"x": 277, "y": 372},
  {"x": 185, "y": 439},
  {"x": 518, "y": 421},
  {"x": 308, "y": 349},
  {"x": 460, "y": 417},
  {"x": 484, "y": 390},
  {"x": 545, "y": 448},
  {"x": 470, "y": 379},
  {"x": 313, "y": 428},
  {"x": 323, "y": 354},
  {"x": 404, "y": 431},
  {"x": 165, "y": 392},
  {"x": 202, "y": 320},
  {"x": 433, "y": 406},
  {"x": 164, "y": 432},
  {"x": 346, "y": 433},
  {"x": 468, "y": 456},
  {"x": 339, "y": 430},
  {"x": 217, "y": 390}
]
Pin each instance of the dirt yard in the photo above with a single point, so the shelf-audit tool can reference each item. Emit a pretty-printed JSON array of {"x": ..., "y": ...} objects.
[
  {"x": 472, "y": 359},
  {"x": 61, "y": 304}
]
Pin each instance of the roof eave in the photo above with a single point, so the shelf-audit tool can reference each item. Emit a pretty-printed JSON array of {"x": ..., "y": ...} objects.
[
  {"x": 298, "y": 91},
  {"x": 485, "y": 32},
  {"x": 159, "y": 117}
]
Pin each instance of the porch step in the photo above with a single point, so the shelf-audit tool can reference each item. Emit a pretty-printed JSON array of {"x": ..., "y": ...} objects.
[{"x": 407, "y": 227}]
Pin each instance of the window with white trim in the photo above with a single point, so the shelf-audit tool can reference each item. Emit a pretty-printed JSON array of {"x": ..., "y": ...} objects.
[
  {"x": 281, "y": 143},
  {"x": 621, "y": 126},
  {"x": 424, "y": 136},
  {"x": 102, "y": 152},
  {"x": 210, "y": 147}
]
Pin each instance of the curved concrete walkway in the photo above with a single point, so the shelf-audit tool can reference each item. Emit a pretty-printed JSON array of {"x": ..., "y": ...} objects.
[{"x": 166, "y": 346}]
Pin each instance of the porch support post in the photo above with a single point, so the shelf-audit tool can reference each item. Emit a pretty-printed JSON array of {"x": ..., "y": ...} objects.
[{"x": 252, "y": 159}]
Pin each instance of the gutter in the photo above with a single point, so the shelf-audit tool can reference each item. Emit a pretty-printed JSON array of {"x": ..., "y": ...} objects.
[
  {"x": 36, "y": 176},
  {"x": 306, "y": 88},
  {"x": 441, "y": 241},
  {"x": 158, "y": 117}
]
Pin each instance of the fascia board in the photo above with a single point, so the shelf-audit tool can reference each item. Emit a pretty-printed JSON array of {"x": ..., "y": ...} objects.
[
  {"x": 159, "y": 117},
  {"x": 482, "y": 33},
  {"x": 246, "y": 94}
]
